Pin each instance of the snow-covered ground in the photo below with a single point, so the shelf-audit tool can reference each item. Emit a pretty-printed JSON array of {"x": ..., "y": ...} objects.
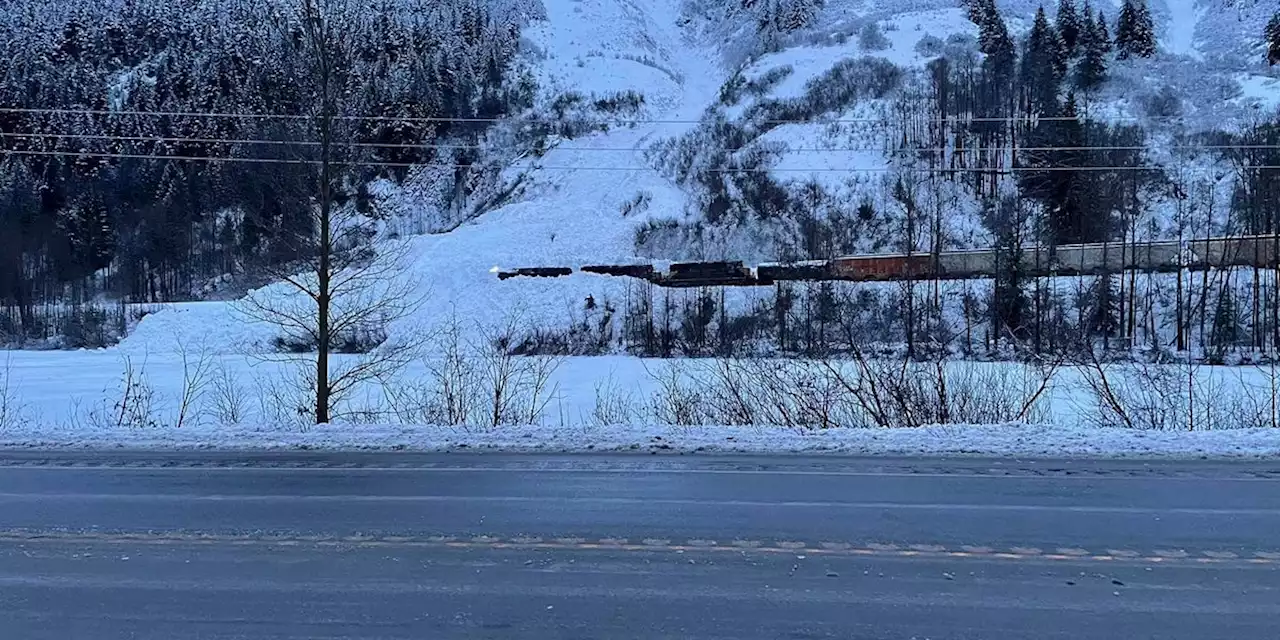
[
  {"x": 61, "y": 399},
  {"x": 1005, "y": 440}
]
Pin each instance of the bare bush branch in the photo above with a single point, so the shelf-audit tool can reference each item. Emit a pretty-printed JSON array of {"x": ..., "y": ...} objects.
[
  {"x": 456, "y": 380},
  {"x": 1181, "y": 396},
  {"x": 902, "y": 393},
  {"x": 132, "y": 404},
  {"x": 516, "y": 387},
  {"x": 614, "y": 405},
  {"x": 284, "y": 396},
  {"x": 677, "y": 400},
  {"x": 196, "y": 371},
  {"x": 229, "y": 399},
  {"x": 13, "y": 412}
]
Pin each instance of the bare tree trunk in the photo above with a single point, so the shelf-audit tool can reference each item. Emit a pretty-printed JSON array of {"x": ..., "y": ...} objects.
[
  {"x": 1256, "y": 329},
  {"x": 323, "y": 293},
  {"x": 1180, "y": 320},
  {"x": 320, "y": 42}
]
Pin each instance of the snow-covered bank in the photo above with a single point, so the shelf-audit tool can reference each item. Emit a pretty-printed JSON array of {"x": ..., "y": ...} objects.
[
  {"x": 1006, "y": 440},
  {"x": 81, "y": 400}
]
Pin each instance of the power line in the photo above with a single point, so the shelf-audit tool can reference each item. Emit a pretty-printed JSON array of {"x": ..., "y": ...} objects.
[
  {"x": 148, "y": 156},
  {"x": 518, "y": 119},
  {"x": 477, "y": 147},
  {"x": 407, "y": 165},
  {"x": 239, "y": 141}
]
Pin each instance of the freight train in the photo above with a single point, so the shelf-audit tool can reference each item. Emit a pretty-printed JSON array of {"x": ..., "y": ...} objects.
[{"x": 1164, "y": 256}]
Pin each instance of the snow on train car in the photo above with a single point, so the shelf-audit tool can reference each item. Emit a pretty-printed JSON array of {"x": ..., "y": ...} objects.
[{"x": 1108, "y": 257}]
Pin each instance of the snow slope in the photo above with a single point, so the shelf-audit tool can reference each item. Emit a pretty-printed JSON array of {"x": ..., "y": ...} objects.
[
  {"x": 570, "y": 211},
  {"x": 1180, "y": 30}
]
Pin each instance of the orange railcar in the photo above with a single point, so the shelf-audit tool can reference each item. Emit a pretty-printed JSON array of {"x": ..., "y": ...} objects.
[{"x": 888, "y": 267}]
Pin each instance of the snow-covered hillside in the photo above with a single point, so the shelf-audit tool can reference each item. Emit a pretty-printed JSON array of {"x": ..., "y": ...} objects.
[
  {"x": 584, "y": 201},
  {"x": 569, "y": 211}
]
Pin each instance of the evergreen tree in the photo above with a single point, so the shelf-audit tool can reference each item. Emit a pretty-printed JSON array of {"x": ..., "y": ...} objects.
[
  {"x": 1104, "y": 307},
  {"x": 1125, "y": 26},
  {"x": 996, "y": 96},
  {"x": 776, "y": 18},
  {"x": 1144, "y": 35},
  {"x": 997, "y": 45},
  {"x": 1044, "y": 177},
  {"x": 1091, "y": 71},
  {"x": 1103, "y": 33},
  {"x": 993, "y": 35},
  {"x": 1043, "y": 67},
  {"x": 974, "y": 10},
  {"x": 1007, "y": 219},
  {"x": 1273, "y": 40},
  {"x": 1070, "y": 26},
  {"x": 1226, "y": 331},
  {"x": 1135, "y": 32}
]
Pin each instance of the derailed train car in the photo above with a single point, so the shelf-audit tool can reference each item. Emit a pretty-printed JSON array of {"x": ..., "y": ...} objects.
[
  {"x": 984, "y": 263},
  {"x": 852, "y": 268},
  {"x": 1163, "y": 256}
]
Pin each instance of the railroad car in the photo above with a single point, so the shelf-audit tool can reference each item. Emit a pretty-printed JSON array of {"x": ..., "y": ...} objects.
[
  {"x": 1258, "y": 251},
  {"x": 883, "y": 267}
]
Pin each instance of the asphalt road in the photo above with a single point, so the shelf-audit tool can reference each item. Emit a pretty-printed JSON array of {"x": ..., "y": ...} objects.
[{"x": 165, "y": 546}]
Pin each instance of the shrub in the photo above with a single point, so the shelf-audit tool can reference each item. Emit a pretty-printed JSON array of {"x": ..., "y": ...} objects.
[
  {"x": 767, "y": 81},
  {"x": 619, "y": 102},
  {"x": 871, "y": 38},
  {"x": 638, "y": 203},
  {"x": 809, "y": 394},
  {"x": 930, "y": 46},
  {"x": 1165, "y": 103},
  {"x": 13, "y": 412}
]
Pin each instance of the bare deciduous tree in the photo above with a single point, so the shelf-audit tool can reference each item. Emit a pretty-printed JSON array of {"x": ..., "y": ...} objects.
[
  {"x": 229, "y": 399},
  {"x": 341, "y": 295}
]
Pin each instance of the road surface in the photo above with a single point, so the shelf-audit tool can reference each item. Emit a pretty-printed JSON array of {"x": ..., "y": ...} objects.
[{"x": 305, "y": 545}]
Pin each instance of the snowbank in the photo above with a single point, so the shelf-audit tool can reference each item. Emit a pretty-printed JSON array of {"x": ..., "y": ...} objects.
[
  {"x": 1008, "y": 440},
  {"x": 57, "y": 393}
]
